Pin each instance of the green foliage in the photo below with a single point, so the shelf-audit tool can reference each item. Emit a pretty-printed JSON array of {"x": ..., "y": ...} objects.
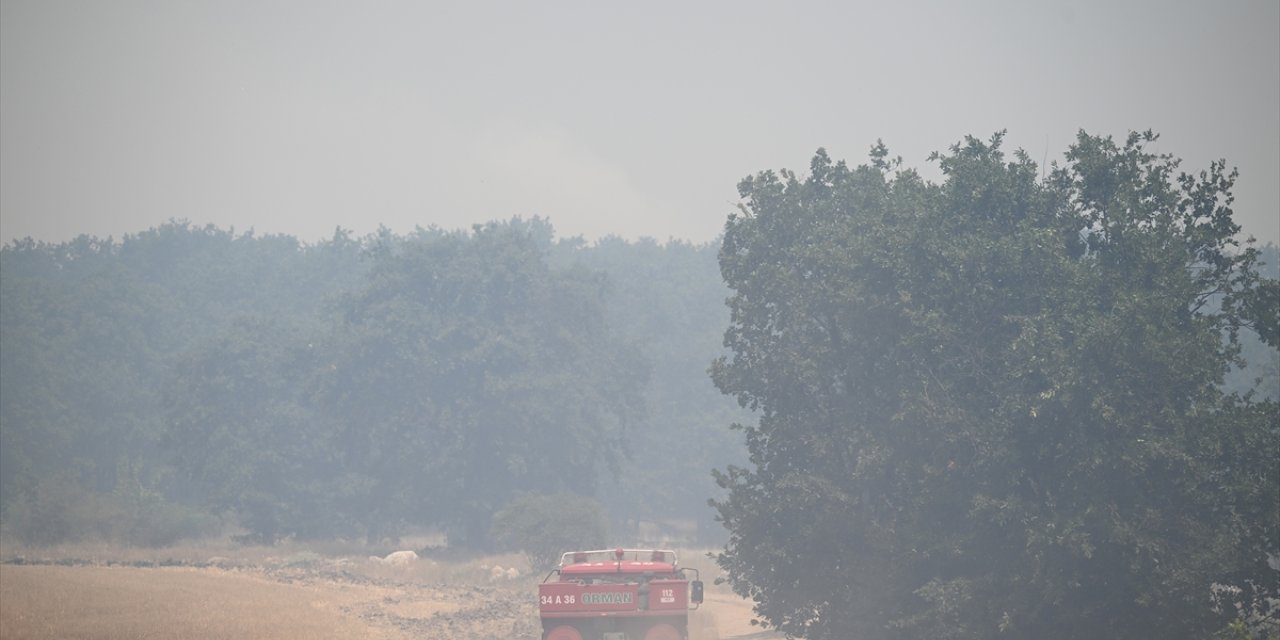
[
  {"x": 1234, "y": 631},
  {"x": 353, "y": 387},
  {"x": 1258, "y": 369},
  {"x": 668, "y": 299},
  {"x": 469, "y": 368},
  {"x": 545, "y": 526},
  {"x": 242, "y": 435},
  {"x": 992, "y": 406},
  {"x": 91, "y": 332},
  {"x": 58, "y": 510},
  {"x": 1255, "y": 609}
]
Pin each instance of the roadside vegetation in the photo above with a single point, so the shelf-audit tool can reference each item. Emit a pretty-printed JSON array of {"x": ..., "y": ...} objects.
[
  {"x": 184, "y": 381},
  {"x": 1022, "y": 402},
  {"x": 994, "y": 406}
]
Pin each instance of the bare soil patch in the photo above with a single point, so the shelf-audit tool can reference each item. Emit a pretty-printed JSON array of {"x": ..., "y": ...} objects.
[
  {"x": 126, "y": 602},
  {"x": 287, "y": 594}
]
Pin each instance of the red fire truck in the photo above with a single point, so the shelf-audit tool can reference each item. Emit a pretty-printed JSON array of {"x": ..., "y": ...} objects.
[{"x": 618, "y": 594}]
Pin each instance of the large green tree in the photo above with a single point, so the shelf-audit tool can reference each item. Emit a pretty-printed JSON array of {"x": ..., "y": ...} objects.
[
  {"x": 243, "y": 435},
  {"x": 91, "y": 333},
  {"x": 991, "y": 407},
  {"x": 469, "y": 368},
  {"x": 668, "y": 298}
]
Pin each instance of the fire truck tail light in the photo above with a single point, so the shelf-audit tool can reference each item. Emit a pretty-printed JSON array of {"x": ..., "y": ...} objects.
[{"x": 564, "y": 632}]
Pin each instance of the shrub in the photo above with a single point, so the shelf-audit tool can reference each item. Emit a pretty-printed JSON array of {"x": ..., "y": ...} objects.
[
  {"x": 544, "y": 526},
  {"x": 60, "y": 511}
]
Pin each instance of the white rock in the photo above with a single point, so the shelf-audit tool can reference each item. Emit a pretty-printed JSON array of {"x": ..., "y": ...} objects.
[{"x": 400, "y": 558}]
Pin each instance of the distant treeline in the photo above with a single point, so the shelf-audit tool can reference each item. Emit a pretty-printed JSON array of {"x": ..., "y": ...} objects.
[
  {"x": 1021, "y": 402},
  {"x": 186, "y": 378}
]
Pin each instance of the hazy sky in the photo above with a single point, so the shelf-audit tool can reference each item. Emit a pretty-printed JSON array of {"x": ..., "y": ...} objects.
[{"x": 627, "y": 118}]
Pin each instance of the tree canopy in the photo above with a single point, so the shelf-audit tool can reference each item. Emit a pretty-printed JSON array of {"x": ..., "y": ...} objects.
[
  {"x": 465, "y": 369},
  {"x": 992, "y": 407},
  {"x": 356, "y": 387}
]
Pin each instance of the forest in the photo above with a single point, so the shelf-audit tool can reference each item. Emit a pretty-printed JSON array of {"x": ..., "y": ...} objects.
[
  {"x": 185, "y": 378},
  {"x": 1029, "y": 401}
]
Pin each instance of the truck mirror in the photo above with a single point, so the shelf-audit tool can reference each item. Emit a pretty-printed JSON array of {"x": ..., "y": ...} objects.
[{"x": 695, "y": 591}]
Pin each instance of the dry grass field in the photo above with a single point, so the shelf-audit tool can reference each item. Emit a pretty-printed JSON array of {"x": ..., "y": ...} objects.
[
  {"x": 127, "y": 602},
  {"x": 286, "y": 593}
]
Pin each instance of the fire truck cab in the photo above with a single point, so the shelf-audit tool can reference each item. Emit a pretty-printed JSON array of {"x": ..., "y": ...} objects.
[{"x": 618, "y": 594}]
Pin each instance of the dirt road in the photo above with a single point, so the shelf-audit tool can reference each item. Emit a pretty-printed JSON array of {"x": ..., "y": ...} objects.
[{"x": 283, "y": 599}]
